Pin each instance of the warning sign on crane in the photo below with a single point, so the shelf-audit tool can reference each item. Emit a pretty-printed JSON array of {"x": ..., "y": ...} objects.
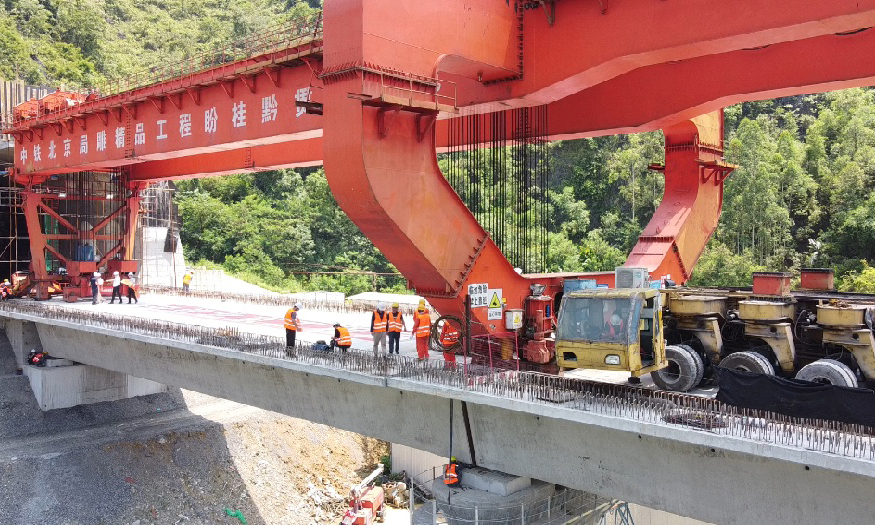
[
  {"x": 495, "y": 298},
  {"x": 495, "y": 305},
  {"x": 479, "y": 294}
]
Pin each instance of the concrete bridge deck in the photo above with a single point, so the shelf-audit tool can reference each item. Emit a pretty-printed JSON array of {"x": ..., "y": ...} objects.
[{"x": 710, "y": 464}]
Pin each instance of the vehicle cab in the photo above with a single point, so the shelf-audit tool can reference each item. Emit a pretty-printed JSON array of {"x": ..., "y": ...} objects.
[{"x": 611, "y": 329}]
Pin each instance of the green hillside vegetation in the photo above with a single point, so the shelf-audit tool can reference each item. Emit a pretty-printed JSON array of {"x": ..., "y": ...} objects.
[{"x": 802, "y": 196}]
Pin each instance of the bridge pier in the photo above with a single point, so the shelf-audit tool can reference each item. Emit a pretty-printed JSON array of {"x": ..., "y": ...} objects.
[{"x": 63, "y": 383}]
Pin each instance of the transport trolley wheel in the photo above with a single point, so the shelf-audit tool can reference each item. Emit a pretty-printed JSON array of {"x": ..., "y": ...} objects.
[
  {"x": 829, "y": 372},
  {"x": 700, "y": 375},
  {"x": 684, "y": 370},
  {"x": 748, "y": 362}
]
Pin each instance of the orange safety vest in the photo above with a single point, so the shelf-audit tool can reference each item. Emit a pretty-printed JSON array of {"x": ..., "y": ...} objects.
[
  {"x": 395, "y": 324},
  {"x": 344, "y": 339},
  {"x": 291, "y": 319},
  {"x": 379, "y": 322},
  {"x": 449, "y": 335},
  {"x": 424, "y": 327},
  {"x": 450, "y": 476}
]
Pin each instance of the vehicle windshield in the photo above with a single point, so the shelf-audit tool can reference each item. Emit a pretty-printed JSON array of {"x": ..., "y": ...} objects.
[{"x": 599, "y": 319}]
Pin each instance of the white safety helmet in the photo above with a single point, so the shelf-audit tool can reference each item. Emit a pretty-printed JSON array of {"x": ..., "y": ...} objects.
[
  {"x": 298, "y": 306},
  {"x": 615, "y": 320},
  {"x": 381, "y": 306},
  {"x": 97, "y": 274},
  {"x": 115, "y": 273}
]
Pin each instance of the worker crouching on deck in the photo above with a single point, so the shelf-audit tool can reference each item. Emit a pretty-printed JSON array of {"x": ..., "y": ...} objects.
[
  {"x": 341, "y": 338},
  {"x": 4, "y": 289},
  {"x": 421, "y": 329}
]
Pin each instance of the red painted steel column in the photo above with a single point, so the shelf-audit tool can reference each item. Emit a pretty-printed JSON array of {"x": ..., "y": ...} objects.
[
  {"x": 690, "y": 209},
  {"x": 391, "y": 188}
]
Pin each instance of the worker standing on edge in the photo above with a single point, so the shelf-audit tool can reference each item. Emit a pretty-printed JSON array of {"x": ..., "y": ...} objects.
[
  {"x": 96, "y": 282},
  {"x": 449, "y": 338},
  {"x": 116, "y": 288},
  {"x": 451, "y": 475},
  {"x": 379, "y": 325},
  {"x": 186, "y": 280},
  {"x": 341, "y": 338},
  {"x": 396, "y": 326},
  {"x": 292, "y": 326},
  {"x": 421, "y": 330},
  {"x": 132, "y": 280}
]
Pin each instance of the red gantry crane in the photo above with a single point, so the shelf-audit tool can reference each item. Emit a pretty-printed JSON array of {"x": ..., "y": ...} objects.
[{"x": 371, "y": 89}]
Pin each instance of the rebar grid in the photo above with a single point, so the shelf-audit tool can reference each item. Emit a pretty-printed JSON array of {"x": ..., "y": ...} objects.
[
  {"x": 276, "y": 299},
  {"x": 622, "y": 401}
]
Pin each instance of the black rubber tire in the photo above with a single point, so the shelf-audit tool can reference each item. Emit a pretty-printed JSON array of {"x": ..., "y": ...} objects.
[
  {"x": 828, "y": 371},
  {"x": 748, "y": 362},
  {"x": 700, "y": 373},
  {"x": 684, "y": 370}
]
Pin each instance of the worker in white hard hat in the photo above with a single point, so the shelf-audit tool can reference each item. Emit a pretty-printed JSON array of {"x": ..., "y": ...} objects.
[
  {"x": 96, "y": 283},
  {"x": 4, "y": 289},
  {"x": 116, "y": 288},
  {"x": 292, "y": 326},
  {"x": 395, "y": 327},
  {"x": 614, "y": 328},
  {"x": 379, "y": 326}
]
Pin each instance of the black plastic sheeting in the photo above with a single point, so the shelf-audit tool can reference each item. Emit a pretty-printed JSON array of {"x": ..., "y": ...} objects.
[{"x": 796, "y": 398}]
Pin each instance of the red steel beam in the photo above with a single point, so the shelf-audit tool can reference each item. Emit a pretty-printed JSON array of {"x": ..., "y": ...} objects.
[{"x": 216, "y": 122}]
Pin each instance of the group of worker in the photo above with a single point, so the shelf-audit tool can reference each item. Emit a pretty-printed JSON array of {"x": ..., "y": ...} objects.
[
  {"x": 385, "y": 325},
  {"x": 117, "y": 282},
  {"x": 389, "y": 325}
]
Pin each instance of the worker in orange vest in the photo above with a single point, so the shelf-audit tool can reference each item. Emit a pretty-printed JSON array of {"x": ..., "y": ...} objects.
[
  {"x": 396, "y": 326},
  {"x": 449, "y": 338},
  {"x": 341, "y": 338},
  {"x": 451, "y": 475},
  {"x": 379, "y": 325},
  {"x": 421, "y": 330},
  {"x": 292, "y": 325}
]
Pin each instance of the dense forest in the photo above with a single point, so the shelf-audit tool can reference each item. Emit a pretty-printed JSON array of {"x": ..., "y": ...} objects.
[{"x": 803, "y": 194}]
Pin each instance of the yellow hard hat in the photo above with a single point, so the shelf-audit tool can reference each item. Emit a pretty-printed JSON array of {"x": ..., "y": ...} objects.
[
  {"x": 422, "y": 302},
  {"x": 395, "y": 305},
  {"x": 452, "y": 459}
]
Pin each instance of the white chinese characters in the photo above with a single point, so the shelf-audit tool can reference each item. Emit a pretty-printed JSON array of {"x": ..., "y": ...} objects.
[
  {"x": 139, "y": 134},
  {"x": 302, "y": 95},
  {"x": 185, "y": 125},
  {"x": 269, "y": 108},
  {"x": 211, "y": 119},
  {"x": 239, "y": 117}
]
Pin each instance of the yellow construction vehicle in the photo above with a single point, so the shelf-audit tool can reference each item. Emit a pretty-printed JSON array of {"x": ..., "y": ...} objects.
[
  {"x": 611, "y": 329},
  {"x": 679, "y": 334}
]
